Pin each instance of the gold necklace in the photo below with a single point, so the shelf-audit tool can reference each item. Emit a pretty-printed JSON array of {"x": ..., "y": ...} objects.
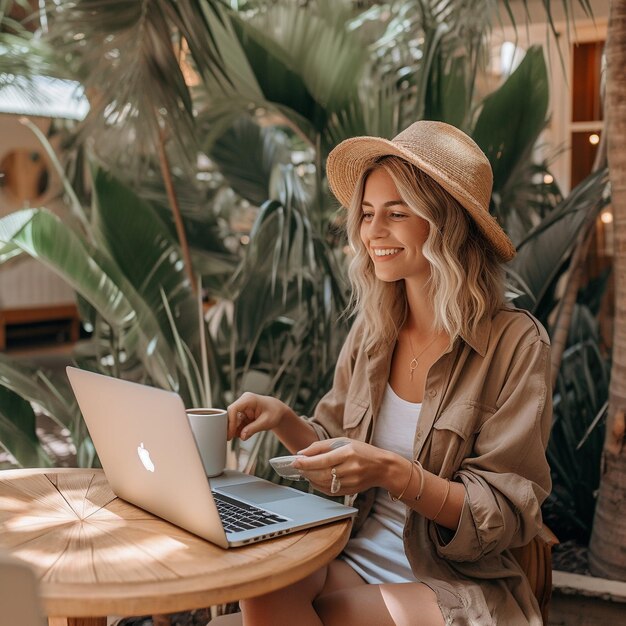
[{"x": 414, "y": 361}]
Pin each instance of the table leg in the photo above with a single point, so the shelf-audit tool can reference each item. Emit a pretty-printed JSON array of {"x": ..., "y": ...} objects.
[{"x": 77, "y": 621}]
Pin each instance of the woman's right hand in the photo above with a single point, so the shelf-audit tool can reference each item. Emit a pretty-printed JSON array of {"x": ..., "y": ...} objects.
[{"x": 252, "y": 413}]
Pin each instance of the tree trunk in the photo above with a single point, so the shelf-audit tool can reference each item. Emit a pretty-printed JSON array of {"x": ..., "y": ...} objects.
[{"x": 607, "y": 555}]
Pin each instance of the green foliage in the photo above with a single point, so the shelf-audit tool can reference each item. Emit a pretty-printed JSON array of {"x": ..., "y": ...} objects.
[
  {"x": 520, "y": 107},
  {"x": 128, "y": 273},
  {"x": 577, "y": 437},
  {"x": 543, "y": 255},
  {"x": 129, "y": 45},
  {"x": 287, "y": 49},
  {"x": 23, "y": 54},
  {"x": 282, "y": 332},
  {"x": 17, "y": 431},
  {"x": 49, "y": 392},
  {"x": 581, "y": 389},
  {"x": 247, "y": 155},
  {"x": 278, "y": 78}
]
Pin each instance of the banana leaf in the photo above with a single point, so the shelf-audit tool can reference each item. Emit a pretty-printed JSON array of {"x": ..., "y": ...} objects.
[
  {"x": 9, "y": 251},
  {"x": 17, "y": 431},
  {"x": 447, "y": 98},
  {"x": 95, "y": 276},
  {"x": 51, "y": 393},
  {"x": 513, "y": 116},
  {"x": 146, "y": 254},
  {"x": 302, "y": 61}
]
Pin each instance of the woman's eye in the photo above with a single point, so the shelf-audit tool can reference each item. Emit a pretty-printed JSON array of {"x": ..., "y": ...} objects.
[
  {"x": 398, "y": 215},
  {"x": 367, "y": 217}
]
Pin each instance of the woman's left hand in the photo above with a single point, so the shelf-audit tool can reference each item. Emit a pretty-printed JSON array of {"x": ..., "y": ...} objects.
[{"x": 357, "y": 466}]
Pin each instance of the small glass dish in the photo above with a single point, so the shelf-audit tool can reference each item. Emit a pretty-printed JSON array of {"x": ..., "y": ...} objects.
[{"x": 283, "y": 466}]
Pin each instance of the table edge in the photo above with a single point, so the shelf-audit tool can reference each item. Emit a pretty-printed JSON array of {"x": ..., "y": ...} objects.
[{"x": 186, "y": 594}]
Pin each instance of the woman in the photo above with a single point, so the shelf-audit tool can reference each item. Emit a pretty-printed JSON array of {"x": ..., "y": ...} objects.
[{"x": 441, "y": 392}]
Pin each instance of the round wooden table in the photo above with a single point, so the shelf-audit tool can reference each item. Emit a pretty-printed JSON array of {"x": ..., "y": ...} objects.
[{"x": 97, "y": 555}]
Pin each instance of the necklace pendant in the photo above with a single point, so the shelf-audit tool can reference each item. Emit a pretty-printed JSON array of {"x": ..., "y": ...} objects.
[{"x": 412, "y": 367}]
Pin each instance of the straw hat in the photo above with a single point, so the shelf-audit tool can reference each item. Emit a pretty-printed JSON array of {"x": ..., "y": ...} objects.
[{"x": 443, "y": 152}]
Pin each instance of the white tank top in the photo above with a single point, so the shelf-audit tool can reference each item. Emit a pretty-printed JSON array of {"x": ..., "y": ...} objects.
[{"x": 377, "y": 552}]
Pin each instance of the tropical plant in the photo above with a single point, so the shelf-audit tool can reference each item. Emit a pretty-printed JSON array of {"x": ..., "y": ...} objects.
[
  {"x": 389, "y": 65},
  {"x": 580, "y": 403},
  {"x": 127, "y": 270},
  {"x": 22, "y": 54}
]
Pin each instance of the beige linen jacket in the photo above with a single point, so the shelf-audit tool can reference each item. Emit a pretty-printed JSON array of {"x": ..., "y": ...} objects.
[{"x": 484, "y": 422}]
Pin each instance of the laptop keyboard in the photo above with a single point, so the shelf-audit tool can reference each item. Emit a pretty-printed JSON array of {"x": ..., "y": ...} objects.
[{"x": 236, "y": 515}]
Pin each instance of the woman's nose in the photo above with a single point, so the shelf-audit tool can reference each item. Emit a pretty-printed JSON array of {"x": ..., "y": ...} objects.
[{"x": 378, "y": 225}]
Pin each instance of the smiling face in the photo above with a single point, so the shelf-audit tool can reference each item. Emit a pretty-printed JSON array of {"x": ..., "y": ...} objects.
[{"x": 392, "y": 233}]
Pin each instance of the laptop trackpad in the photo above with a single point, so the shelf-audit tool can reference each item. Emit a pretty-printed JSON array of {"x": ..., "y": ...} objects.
[{"x": 259, "y": 492}]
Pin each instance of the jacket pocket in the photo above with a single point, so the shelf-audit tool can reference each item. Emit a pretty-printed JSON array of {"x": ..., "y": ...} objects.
[{"x": 453, "y": 437}]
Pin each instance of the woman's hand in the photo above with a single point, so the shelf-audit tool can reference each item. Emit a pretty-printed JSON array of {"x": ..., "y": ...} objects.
[
  {"x": 252, "y": 413},
  {"x": 357, "y": 466}
]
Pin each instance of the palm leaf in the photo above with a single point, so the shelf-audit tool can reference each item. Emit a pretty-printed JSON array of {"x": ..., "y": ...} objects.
[
  {"x": 240, "y": 81},
  {"x": 520, "y": 106},
  {"x": 247, "y": 154},
  {"x": 127, "y": 46},
  {"x": 22, "y": 57},
  {"x": 541, "y": 255},
  {"x": 9, "y": 251}
]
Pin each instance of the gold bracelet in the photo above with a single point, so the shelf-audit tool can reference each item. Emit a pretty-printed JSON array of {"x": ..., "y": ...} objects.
[
  {"x": 421, "y": 489},
  {"x": 444, "y": 500},
  {"x": 393, "y": 498}
]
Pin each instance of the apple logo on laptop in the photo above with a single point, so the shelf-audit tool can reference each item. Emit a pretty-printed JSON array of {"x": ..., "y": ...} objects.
[{"x": 144, "y": 457}]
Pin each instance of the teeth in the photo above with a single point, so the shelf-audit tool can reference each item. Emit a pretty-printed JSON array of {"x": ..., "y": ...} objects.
[{"x": 387, "y": 251}]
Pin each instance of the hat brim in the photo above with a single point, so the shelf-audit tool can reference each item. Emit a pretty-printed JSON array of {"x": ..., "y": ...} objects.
[{"x": 348, "y": 160}]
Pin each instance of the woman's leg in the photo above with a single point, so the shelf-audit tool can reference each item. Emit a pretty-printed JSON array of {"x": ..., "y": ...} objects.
[
  {"x": 403, "y": 604},
  {"x": 280, "y": 607}
]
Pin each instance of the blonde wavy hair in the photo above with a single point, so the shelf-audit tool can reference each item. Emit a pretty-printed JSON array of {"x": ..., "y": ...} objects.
[{"x": 466, "y": 281}]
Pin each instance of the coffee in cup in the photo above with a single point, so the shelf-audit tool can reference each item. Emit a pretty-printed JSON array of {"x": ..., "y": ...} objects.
[{"x": 210, "y": 429}]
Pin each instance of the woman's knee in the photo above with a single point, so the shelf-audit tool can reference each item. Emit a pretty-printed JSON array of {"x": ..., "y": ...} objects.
[
  {"x": 408, "y": 604},
  {"x": 304, "y": 590}
]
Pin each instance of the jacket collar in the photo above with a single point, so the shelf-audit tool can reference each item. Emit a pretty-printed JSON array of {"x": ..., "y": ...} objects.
[{"x": 479, "y": 339}]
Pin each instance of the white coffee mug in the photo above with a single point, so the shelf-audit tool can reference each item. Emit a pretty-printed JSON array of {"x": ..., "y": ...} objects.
[{"x": 210, "y": 428}]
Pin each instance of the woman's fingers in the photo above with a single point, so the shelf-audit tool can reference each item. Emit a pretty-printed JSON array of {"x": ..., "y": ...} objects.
[
  {"x": 323, "y": 454},
  {"x": 235, "y": 419},
  {"x": 326, "y": 445},
  {"x": 350, "y": 460},
  {"x": 241, "y": 414},
  {"x": 318, "y": 477}
]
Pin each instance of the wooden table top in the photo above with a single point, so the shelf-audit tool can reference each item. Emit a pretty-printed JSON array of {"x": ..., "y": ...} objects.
[{"x": 98, "y": 555}]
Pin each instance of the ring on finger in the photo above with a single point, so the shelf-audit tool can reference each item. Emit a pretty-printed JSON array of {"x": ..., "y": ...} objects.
[{"x": 335, "y": 484}]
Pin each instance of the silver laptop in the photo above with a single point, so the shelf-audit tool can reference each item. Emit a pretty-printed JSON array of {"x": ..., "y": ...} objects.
[{"x": 150, "y": 458}]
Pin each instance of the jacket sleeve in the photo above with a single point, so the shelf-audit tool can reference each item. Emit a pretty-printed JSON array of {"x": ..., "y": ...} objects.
[
  {"x": 507, "y": 477},
  {"x": 327, "y": 419}
]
